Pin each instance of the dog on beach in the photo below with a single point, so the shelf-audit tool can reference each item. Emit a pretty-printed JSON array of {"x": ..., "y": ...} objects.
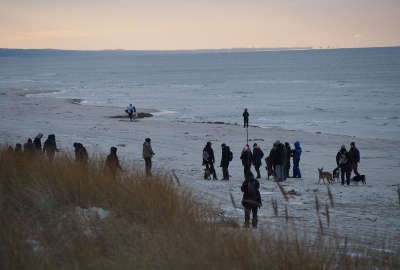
[
  {"x": 356, "y": 179},
  {"x": 324, "y": 175},
  {"x": 271, "y": 173},
  {"x": 335, "y": 174},
  {"x": 207, "y": 174}
]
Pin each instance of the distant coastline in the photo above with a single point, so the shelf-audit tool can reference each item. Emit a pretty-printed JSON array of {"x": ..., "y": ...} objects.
[{"x": 4, "y": 52}]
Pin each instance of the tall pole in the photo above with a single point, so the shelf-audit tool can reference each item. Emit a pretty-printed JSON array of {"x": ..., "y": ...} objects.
[{"x": 247, "y": 130}]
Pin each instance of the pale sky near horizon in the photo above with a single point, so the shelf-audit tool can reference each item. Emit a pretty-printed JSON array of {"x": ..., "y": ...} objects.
[{"x": 195, "y": 24}]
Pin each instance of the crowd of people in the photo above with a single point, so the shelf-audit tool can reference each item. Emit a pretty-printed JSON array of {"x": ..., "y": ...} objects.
[{"x": 34, "y": 148}]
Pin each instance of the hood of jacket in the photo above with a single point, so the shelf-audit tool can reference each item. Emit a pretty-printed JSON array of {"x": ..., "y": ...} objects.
[
  {"x": 39, "y": 136},
  {"x": 297, "y": 145},
  {"x": 257, "y": 147},
  {"x": 113, "y": 150},
  {"x": 343, "y": 150}
]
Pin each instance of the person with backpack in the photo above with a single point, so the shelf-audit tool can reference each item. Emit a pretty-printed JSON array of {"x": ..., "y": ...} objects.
[
  {"x": 81, "y": 155},
  {"x": 343, "y": 162},
  {"x": 251, "y": 200},
  {"x": 147, "y": 153},
  {"x": 257, "y": 157},
  {"x": 247, "y": 158},
  {"x": 245, "y": 118},
  {"x": 296, "y": 160},
  {"x": 209, "y": 160},
  {"x": 355, "y": 158},
  {"x": 227, "y": 156}
]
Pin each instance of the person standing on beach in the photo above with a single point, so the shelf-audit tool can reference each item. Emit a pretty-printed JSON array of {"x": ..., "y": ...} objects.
[
  {"x": 28, "y": 147},
  {"x": 147, "y": 155},
  {"x": 278, "y": 160},
  {"x": 112, "y": 162},
  {"x": 37, "y": 142},
  {"x": 296, "y": 160},
  {"x": 257, "y": 157},
  {"x": 355, "y": 158},
  {"x": 130, "y": 110},
  {"x": 81, "y": 155},
  {"x": 246, "y": 118},
  {"x": 289, "y": 154},
  {"x": 209, "y": 159},
  {"x": 50, "y": 147},
  {"x": 227, "y": 156},
  {"x": 251, "y": 200},
  {"x": 343, "y": 160},
  {"x": 247, "y": 158}
]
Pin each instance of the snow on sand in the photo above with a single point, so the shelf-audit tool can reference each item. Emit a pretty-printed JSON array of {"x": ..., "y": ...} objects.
[{"x": 365, "y": 212}]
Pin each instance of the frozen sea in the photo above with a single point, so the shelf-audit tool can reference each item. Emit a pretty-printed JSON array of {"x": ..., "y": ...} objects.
[{"x": 353, "y": 92}]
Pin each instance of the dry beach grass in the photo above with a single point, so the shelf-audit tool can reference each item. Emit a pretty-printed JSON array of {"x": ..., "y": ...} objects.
[{"x": 65, "y": 216}]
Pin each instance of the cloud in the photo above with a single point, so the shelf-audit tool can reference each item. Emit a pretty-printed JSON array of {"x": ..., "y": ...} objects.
[{"x": 358, "y": 36}]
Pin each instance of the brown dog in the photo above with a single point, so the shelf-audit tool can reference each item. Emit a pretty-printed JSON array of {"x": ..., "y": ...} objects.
[{"x": 324, "y": 175}]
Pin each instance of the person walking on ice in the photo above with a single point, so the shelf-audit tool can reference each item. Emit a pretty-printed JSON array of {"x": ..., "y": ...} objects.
[{"x": 130, "y": 110}]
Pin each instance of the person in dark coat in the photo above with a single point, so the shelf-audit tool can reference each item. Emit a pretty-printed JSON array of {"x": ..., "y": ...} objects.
[
  {"x": 250, "y": 205},
  {"x": 112, "y": 162},
  {"x": 278, "y": 160},
  {"x": 257, "y": 157},
  {"x": 289, "y": 154},
  {"x": 209, "y": 159},
  {"x": 247, "y": 158},
  {"x": 355, "y": 158},
  {"x": 28, "y": 147},
  {"x": 227, "y": 156},
  {"x": 296, "y": 160},
  {"x": 343, "y": 161},
  {"x": 37, "y": 142},
  {"x": 246, "y": 118},
  {"x": 147, "y": 153},
  {"x": 81, "y": 155},
  {"x": 18, "y": 148},
  {"x": 50, "y": 147}
]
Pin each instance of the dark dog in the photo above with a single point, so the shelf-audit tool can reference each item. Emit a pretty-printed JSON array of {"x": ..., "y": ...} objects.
[
  {"x": 335, "y": 174},
  {"x": 207, "y": 174},
  {"x": 361, "y": 178}
]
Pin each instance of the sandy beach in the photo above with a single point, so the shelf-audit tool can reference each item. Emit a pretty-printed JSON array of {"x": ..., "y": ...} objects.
[{"x": 363, "y": 212}]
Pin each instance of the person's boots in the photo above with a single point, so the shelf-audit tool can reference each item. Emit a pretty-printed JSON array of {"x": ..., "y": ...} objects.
[
  {"x": 246, "y": 224},
  {"x": 254, "y": 222}
]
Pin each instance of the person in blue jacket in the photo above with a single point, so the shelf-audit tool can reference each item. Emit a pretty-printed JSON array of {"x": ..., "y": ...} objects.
[{"x": 296, "y": 160}]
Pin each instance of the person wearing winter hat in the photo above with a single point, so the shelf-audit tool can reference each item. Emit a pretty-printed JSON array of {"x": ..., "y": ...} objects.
[
  {"x": 355, "y": 158},
  {"x": 227, "y": 156},
  {"x": 247, "y": 158},
  {"x": 343, "y": 162},
  {"x": 251, "y": 200},
  {"x": 257, "y": 159},
  {"x": 147, "y": 153},
  {"x": 37, "y": 142},
  {"x": 209, "y": 160}
]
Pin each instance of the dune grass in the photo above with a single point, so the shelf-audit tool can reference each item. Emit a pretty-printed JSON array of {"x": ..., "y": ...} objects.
[{"x": 48, "y": 220}]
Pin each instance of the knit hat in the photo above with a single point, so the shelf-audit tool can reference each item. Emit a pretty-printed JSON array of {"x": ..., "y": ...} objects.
[
  {"x": 254, "y": 145},
  {"x": 247, "y": 146},
  {"x": 223, "y": 145},
  {"x": 29, "y": 140},
  {"x": 278, "y": 142},
  {"x": 353, "y": 144},
  {"x": 287, "y": 144},
  {"x": 148, "y": 140},
  {"x": 343, "y": 146},
  {"x": 209, "y": 143}
]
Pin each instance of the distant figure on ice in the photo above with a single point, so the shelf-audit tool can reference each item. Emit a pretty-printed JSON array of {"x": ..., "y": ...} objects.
[
  {"x": 130, "y": 110},
  {"x": 343, "y": 161},
  {"x": 81, "y": 155},
  {"x": 50, "y": 147},
  {"x": 355, "y": 158},
  {"x": 227, "y": 156},
  {"x": 147, "y": 155},
  {"x": 246, "y": 118},
  {"x": 257, "y": 157},
  {"x": 28, "y": 147},
  {"x": 247, "y": 158},
  {"x": 37, "y": 142},
  {"x": 112, "y": 162},
  {"x": 209, "y": 160},
  {"x": 296, "y": 160},
  {"x": 251, "y": 200}
]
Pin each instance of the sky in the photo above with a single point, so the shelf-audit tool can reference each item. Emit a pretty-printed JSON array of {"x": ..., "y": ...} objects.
[{"x": 198, "y": 24}]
